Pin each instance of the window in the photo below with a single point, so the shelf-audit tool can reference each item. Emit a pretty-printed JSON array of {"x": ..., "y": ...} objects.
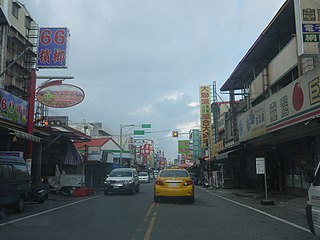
[
  {"x": 27, "y": 22},
  {"x": 121, "y": 174},
  {"x": 6, "y": 173},
  {"x": 21, "y": 172},
  {"x": 174, "y": 173},
  {"x": 15, "y": 10}
]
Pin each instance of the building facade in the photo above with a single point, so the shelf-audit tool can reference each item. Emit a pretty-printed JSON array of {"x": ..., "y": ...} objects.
[
  {"x": 276, "y": 116},
  {"x": 18, "y": 39}
]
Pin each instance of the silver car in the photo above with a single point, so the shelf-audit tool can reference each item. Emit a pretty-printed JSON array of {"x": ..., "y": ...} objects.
[
  {"x": 122, "y": 180},
  {"x": 144, "y": 177}
]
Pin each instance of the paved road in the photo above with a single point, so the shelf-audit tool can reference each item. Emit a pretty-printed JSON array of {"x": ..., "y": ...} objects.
[{"x": 137, "y": 217}]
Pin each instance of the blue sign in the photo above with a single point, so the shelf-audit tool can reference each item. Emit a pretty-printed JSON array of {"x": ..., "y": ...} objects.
[
  {"x": 13, "y": 108},
  {"x": 52, "y": 49},
  {"x": 310, "y": 28}
]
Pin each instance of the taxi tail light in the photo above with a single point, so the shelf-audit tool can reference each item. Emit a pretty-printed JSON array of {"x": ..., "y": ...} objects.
[
  {"x": 189, "y": 182},
  {"x": 159, "y": 182}
]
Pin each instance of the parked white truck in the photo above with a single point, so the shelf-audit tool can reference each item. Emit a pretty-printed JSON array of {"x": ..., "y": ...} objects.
[{"x": 65, "y": 183}]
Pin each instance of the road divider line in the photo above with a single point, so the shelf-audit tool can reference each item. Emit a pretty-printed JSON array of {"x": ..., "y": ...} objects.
[
  {"x": 257, "y": 210},
  {"x": 48, "y": 211},
  {"x": 148, "y": 212},
  {"x": 149, "y": 230}
]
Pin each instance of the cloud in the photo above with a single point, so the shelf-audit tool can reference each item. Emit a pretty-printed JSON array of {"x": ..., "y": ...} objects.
[
  {"x": 175, "y": 97},
  {"x": 141, "y": 111},
  {"x": 143, "y": 61},
  {"x": 194, "y": 104}
]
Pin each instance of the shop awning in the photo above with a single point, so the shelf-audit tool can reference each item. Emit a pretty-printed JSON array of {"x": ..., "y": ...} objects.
[
  {"x": 73, "y": 157},
  {"x": 20, "y": 134},
  {"x": 25, "y": 136},
  {"x": 226, "y": 154}
]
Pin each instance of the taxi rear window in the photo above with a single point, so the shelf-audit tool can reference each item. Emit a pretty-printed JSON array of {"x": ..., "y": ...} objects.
[{"x": 174, "y": 173}]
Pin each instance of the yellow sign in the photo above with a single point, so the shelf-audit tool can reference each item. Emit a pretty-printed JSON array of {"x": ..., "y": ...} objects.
[
  {"x": 216, "y": 148},
  {"x": 205, "y": 117}
]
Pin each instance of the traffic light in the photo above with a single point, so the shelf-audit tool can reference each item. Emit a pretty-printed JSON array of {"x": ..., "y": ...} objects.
[{"x": 175, "y": 134}]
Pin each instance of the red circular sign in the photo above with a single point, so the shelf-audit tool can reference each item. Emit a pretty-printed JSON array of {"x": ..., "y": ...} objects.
[{"x": 297, "y": 97}]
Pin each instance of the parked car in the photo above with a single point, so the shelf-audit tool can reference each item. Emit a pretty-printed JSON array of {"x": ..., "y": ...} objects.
[
  {"x": 122, "y": 180},
  {"x": 144, "y": 177},
  {"x": 15, "y": 182},
  {"x": 174, "y": 183}
]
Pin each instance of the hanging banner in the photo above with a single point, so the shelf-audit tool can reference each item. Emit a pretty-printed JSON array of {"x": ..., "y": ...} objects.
[
  {"x": 205, "y": 116},
  {"x": 52, "y": 48}
]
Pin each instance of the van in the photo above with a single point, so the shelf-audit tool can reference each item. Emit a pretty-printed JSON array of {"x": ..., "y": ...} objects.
[{"x": 15, "y": 182}]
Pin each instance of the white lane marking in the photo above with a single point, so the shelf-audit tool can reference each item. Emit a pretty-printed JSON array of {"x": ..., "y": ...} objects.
[
  {"x": 47, "y": 211},
  {"x": 259, "y": 211}
]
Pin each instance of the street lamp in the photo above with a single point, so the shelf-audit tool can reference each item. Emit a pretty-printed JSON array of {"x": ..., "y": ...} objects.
[{"x": 121, "y": 127}]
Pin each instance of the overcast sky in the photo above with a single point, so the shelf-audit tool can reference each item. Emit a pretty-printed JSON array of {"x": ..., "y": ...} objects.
[{"x": 142, "y": 61}]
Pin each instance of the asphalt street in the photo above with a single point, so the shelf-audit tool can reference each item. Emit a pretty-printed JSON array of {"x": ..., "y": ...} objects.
[{"x": 212, "y": 216}]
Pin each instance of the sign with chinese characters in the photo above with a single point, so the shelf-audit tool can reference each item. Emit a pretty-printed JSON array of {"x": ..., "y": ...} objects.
[
  {"x": 196, "y": 143},
  {"x": 52, "y": 49},
  {"x": 307, "y": 16},
  {"x": 216, "y": 148},
  {"x": 205, "y": 116},
  {"x": 13, "y": 108},
  {"x": 297, "y": 102},
  {"x": 252, "y": 123},
  {"x": 60, "y": 95},
  {"x": 260, "y": 165},
  {"x": 145, "y": 149},
  {"x": 183, "y": 147}
]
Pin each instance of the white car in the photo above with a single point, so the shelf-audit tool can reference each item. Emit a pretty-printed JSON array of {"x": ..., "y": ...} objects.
[{"x": 144, "y": 177}]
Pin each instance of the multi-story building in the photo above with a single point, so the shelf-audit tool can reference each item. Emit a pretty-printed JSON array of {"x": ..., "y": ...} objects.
[
  {"x": 18, "y": 37},
  {"x": 276, "y": 117}
]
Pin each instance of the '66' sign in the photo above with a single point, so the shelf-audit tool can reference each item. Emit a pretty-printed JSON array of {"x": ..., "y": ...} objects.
[{"x": 52, "y": 49}]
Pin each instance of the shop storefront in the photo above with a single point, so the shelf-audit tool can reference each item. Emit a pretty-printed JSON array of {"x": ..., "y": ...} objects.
[{"x": 299, "y": 157}]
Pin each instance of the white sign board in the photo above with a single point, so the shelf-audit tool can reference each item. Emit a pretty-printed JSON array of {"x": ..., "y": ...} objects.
[{"x": 260, "y": 165}]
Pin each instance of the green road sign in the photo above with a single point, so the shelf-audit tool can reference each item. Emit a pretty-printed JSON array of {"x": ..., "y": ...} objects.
[
  {"x": 138, "y": 132},
  {"x": 146, "y": 125}
]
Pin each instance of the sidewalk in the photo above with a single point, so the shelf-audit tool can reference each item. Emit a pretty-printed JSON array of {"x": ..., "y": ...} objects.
[
  {"x": 286, "y": 207},
  {"x": 297, "y": 204}
]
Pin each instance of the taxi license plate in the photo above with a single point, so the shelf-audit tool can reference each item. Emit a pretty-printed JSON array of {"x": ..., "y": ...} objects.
[{"x": 173, "y": 184}]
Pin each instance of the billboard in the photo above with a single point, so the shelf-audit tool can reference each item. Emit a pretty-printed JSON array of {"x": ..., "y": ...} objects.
[
  {"x": 183, "y": 147},
  {"x": 307, "y": 16},
  {"x": 52, "y": 47},
  {"x": 13, "y": 108},
  {"x": 145, "y": 150},
  {"x": 196, "y": 143},
  {"x": 297, "y": 102},
  {"x": 60, "y": 95}
]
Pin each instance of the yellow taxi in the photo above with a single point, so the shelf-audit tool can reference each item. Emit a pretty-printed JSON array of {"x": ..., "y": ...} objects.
[{"x": 174, "y": 182}]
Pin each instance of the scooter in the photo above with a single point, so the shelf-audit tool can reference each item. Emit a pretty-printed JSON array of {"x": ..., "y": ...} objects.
[{"x": 206, "y": 184}]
